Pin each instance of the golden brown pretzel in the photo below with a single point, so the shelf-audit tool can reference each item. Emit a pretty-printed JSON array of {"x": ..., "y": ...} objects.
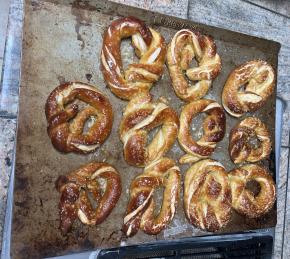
[
  {"x": 68, "y": 136},
  {"x": 185, "y": 46},
  {"x": 257, "y": 78},
  {"x": 74, "y": 189},
  {"x": 244, "y": 200},
  {"x": 213, "y": 129},
  {"x": 207, "y": 195},
  {"x": 240, "y": 148},
  {"x": 149, "y": 46},
  {"x": 140, "y": 210},
  {"x": 140, "y": 116}
]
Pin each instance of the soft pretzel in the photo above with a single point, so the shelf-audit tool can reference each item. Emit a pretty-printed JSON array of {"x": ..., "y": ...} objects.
[
  {"x": 244, "y": 200},
  {"x": 149, "y": 46},
  {"x": 141, "y": 116},
  {"x": 66, "y": 122},
  {"x": 185, "y": 46},
  {"x": 141, "y": 206},
  {"x": 207, "y": 195},
  {"x": 101, "y": 180},
  {"x": 213, "y": 129},
  {"x": 248, "y": 87},
  {"x": 240, "y": 148}
]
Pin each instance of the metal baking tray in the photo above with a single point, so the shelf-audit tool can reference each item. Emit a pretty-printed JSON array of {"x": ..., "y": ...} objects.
[{"x": 62, "y": 42}]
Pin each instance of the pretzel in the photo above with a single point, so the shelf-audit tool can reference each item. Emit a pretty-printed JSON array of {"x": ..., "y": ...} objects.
[
  {"x": 244, "y": 200},
  {"x": 213, "y": 129},
  {"x": 141, "y": 116},
  {"x": 240, "y": 148},
  {"x": 141, "y": 206},
  {"x": 185, "y": 46},
  {"x": 66, "y": 122},
  {"x": 149, "y": 46},
  {"x": 101, "y": 180},
  {"x": 248, "y": 87},
  {"x": 207, "y": 195}
]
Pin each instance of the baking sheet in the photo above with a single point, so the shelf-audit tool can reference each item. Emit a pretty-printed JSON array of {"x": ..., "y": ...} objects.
[{"x": 62, "y": 42}]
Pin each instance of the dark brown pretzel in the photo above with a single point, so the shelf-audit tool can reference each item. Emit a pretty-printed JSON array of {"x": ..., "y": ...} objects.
[
  {"x": 239, "y": 145},
  {"x": 140, "y": 116},
  {"x": 68, "y": 136},
  {"x": 214, "y": 127},
  {"x": 207, "y": 195},
  {"x": 74, "y": 189},
  {"x": 244, "y": 200},
  {"x": 140, "y": 210},
  {"x": 150, "y": 47},
  {"x": 257, "y": 78},
  {"x": 185, "y": 46}
]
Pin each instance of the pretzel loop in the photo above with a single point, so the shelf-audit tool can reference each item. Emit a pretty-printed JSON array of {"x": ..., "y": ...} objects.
[
  {"x": 207, "y": 195},
  {"x": 185, "y": 46},
  {"x": 66, "y": 122},
  {"x": 74, "y": 189},
  {"x": 149, "y": 46},
  {"x": 140, "y": 210},
  {"x": 141, "y": 116}
]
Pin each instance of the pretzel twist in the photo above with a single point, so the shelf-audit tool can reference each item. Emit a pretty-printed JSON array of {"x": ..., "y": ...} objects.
[
  {"x": 74, "y": 189},
  {"x": 240, "y": 148},
  {"x": 185, "y": 46},
  {"x": 213, "y": 129},
  {"x": 244, "y": 200},
  {"x": 207, "y": 195},
  {"x": 68, "y": 136},
  {"x": 141, "y": 206},
  {"x": 149, "y": 46},
  {"x": 141, "y": 116},
  {"x": 257, "y": 78}
]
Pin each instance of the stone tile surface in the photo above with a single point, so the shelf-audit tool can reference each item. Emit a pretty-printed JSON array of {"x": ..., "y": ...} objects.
[
  {"x": 4, "y": 10},
  {"x": 7, "y": 139}
]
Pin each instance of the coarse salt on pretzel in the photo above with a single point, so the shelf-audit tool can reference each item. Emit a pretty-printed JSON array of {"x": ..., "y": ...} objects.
[
  {"x": 74, "y": 189},
  {"x": 207, "y": 195},
  {"x": 66, "y": 122},
  {"x": 240, "y": 148},
  {"x": 244, "y": 200},
  {"x": 248, "y": 87},
  {"x": 141, "y": 207},
  {"x": 185, "y": 46},
  {"x": 141, "y": 116},
  {"x": 149, "y": 46},
  {"x": 213, "y": 129}
]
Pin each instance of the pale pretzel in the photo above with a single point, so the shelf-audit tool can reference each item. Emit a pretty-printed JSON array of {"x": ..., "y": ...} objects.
[
  {"x": 141, "y": 116},
  {"x": 213, "y": 129},
  {"x": 140, "y": 210},
  {"x": 207, "y": 195},
  {"x": 66, "y": 122},
  {"x": 149, "y": 46},
  {"x": 244, "y": 201},
  {"x": 240, "y": 148},
  {"x": 185, "y": 46},
  {"x": 74, "y": 189},
  {"x": 248, "y": 87}
]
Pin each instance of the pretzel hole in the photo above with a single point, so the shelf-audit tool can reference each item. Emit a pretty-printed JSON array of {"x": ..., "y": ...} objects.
[
  {"x": 158, "y": 199},
  {"x": 254, "y": 142},
  {"x": 127, "y": 53},
  {"x": 152, "y": 133},
  {"x": 254, "y": 187},
  {"x": 100, "y": 190},
  {"x": 89, "y": 123},
  {"x": 196, "y": 129}
]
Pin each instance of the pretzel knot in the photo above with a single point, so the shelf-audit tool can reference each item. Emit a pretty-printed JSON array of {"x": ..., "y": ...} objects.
[
  {"x": 207, "y": 195},
  {"x": 185, "y": 46},
  {"x": 67, "y": 123},
  {"x": 213, "y": 129},
  {"x": 101, "y": 181},
  {"x": 140, "y": 210},
  {"x": 149, "y": 46},
  {"x": 141, "y": 116},
  {"x": 245, "y": 201},
  {"x": 240, "y": 147},
  {"x": 248, "y": 87}
]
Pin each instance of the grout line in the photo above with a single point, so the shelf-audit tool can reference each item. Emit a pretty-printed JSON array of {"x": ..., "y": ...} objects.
[{"x": 8, "y": 116}]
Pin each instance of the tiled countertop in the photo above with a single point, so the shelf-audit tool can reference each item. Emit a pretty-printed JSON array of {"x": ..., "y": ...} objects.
[{"x": 269, "y": 21}]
